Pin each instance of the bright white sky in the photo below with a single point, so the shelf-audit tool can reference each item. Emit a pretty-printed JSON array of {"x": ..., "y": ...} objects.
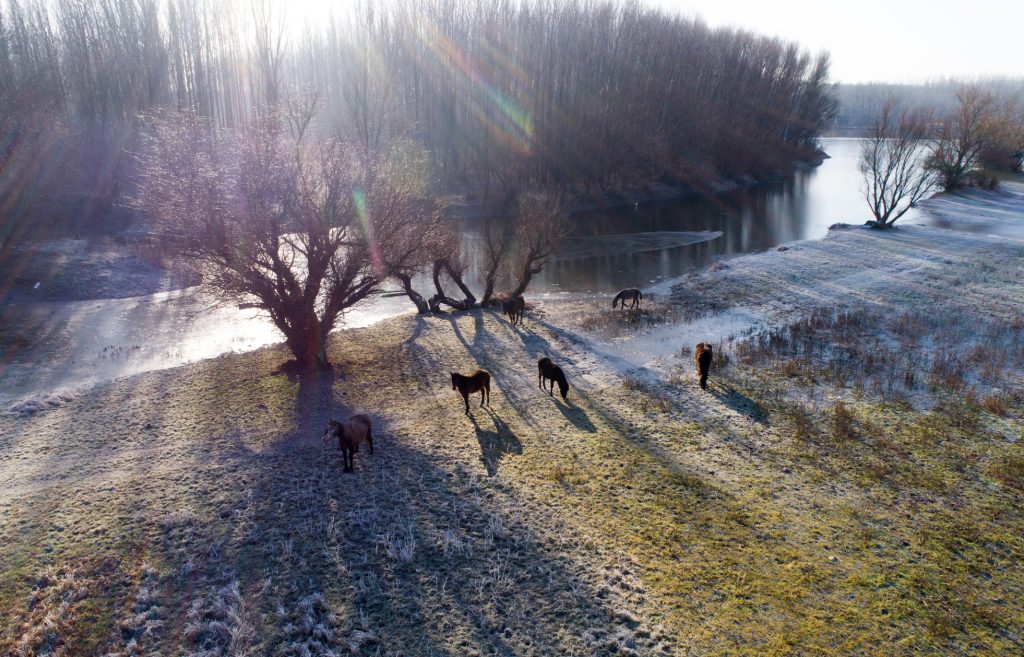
[{"x": 884, "y": 40}]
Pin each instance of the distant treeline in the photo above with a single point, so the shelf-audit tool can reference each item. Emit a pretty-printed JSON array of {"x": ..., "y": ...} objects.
[
  {"x": 576, "y": 94},
  {"x": 860, "y": 104}
]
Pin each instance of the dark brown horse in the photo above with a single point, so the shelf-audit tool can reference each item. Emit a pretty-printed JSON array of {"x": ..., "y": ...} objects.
[
  {"x": 513, "y": 308},
  {"x": 702, "y": 355},
  {"x": 478, "y": 381},
  {"x": 546, "y": 370},
  {"x": 631, "y": 294},
  {"x": 349, "y": 433}
]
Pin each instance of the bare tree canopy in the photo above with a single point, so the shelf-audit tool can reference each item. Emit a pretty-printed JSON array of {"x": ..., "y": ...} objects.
[
  {"x": 956, "y": 150},
  {"x": 299, "y": 225},
  {"x": 892, "y": 161}
]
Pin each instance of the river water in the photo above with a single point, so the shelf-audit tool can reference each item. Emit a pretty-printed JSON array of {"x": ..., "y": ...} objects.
[
  {"x": 636, "y": 246},
  {"x": 752, "y": 219}
]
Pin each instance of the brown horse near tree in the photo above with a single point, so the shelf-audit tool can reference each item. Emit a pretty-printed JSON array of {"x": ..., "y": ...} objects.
[
  {"x": 349, "y": 433},
  {"x": 513, "y": 309},
  {"x": 478, "y": 381}
]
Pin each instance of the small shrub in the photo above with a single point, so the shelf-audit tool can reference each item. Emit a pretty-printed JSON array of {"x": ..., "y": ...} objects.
[
  {"x": 841, "y": 422},
  {"x": 996, "y": 405},
  {"x": 720, "y": 358},
  {"x": 799, "y": 420},
  {"x": 946, "y": 374}
]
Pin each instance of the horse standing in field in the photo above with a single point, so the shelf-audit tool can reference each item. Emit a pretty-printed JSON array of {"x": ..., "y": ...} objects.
[
  {"x": 553, "y": 373},
  {"x": 349, "y": 433},
  {"x": 513, "y": 308},
  {"x": 632, "y": 294},
  {"x": 478, "y": 381},
  {"x": 702, "y": 355}
]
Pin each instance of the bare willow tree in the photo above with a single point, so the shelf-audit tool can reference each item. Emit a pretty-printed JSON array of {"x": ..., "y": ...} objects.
[
  {"x": 957, "y": 149},
  {"x": 540, "y": 227},
  {"x": 1003, "y": 149},
  {"x": 498, "y": 235},
  {"x": 892, "y": 161},
  {"x": 273, "y": 216}
]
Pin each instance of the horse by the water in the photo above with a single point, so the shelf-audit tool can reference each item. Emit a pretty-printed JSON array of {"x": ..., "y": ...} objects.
[
  {"x": 478, "y": 381},
  {"x": 634, "y": 295}
]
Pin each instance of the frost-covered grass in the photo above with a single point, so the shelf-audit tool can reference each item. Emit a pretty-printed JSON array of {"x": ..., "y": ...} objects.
[{"x": 824, "y": 496}]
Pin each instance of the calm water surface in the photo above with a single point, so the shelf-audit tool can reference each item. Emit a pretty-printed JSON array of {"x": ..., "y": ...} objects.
[{"x": 754, "y": 219}]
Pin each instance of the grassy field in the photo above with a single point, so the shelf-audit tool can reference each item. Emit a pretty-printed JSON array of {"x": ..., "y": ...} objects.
[{"x": 851, "y": 482}]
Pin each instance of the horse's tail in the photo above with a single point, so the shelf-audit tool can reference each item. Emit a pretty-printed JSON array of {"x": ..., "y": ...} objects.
[{"x": 640, "y": 293}]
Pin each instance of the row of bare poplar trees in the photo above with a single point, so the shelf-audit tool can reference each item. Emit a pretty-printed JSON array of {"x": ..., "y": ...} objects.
[{"x": 579, "y": 94}]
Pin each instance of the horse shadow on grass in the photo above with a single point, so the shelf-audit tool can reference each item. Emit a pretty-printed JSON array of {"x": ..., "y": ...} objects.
[
  {"x": 496, "y": 443},
  {"x": 740, "y": 403},
  {"x": 574, "y": 414}
]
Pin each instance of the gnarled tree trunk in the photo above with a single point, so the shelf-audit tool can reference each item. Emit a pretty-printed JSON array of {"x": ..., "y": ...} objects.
[
  {"x": 421, "y": 304},
  {"x": 441, "y": 297}
]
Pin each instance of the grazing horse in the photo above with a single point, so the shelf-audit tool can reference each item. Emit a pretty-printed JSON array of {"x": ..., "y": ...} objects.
[
  {"x": 513, "y": 308},
  {"x": 632, "y": 294},
  {"x": 702, "y": 355},
  {"x": 350, "y": 433},
  {"x": 478, "y": 381},
  {"x": 548, "y": 370}
]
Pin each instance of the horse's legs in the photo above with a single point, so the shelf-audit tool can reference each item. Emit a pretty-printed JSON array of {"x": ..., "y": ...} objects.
[{"x": 465, "y": 398}]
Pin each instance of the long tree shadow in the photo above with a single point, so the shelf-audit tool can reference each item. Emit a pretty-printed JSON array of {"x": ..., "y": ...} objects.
[{"x": 495, "y": 444}]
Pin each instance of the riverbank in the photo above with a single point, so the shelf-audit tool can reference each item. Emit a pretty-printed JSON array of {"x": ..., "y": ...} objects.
[{"x": 850, "y": 482}]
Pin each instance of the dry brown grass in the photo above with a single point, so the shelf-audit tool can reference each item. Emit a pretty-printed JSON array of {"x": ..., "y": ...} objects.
[{"x": 618, "y": 323}]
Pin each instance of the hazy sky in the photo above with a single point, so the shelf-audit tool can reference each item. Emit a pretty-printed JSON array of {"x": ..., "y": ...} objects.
[{"x": 885, "y": 40}]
